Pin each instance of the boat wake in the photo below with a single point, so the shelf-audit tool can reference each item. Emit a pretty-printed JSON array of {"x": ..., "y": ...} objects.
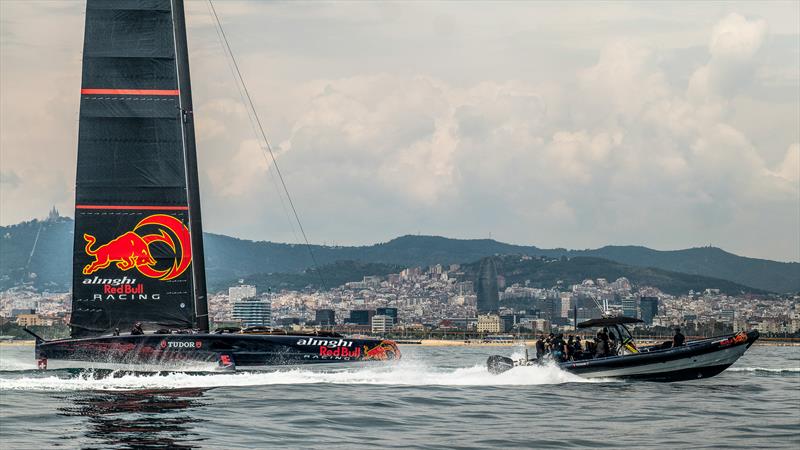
[
  {"x": 766, "y": 370},
  {"x": 403, "y": 374}
]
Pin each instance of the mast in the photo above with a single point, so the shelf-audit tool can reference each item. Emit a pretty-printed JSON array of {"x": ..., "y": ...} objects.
[{"x": 190, "y": 151}]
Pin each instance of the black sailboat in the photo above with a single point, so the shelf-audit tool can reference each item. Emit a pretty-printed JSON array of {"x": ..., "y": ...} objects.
[{"x": 138, "y": 248}]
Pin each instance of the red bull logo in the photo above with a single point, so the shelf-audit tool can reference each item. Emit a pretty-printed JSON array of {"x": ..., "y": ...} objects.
[
  {"x": 132, "y": 249},
  {"x": 384, "y": 351},
  {"x": 340, "y": 352}
]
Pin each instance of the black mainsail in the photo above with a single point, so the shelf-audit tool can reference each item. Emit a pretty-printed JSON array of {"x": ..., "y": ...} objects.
[{"x": 138, "y": 251}]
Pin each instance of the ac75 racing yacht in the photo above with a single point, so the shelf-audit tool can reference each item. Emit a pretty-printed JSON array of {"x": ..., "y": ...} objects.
[{"x": 138, "y": 260}]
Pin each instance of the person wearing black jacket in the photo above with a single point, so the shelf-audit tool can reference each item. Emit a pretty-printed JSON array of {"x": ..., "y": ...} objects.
[
  {"x": 540, "y": 347},
  {"x": 559, "y": 349},
  {"x": 678, "y": 339},
  {"x": 577, "y": 349}
]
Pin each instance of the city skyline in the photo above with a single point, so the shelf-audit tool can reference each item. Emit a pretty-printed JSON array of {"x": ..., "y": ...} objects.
[
  {"x": 668, "y": 129},
  {"x": 440, "y": 298}
]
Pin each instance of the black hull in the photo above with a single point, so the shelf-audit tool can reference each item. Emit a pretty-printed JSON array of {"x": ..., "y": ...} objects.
[
  {"x": 680, "y": 375},
  {"x": 174, "y": 351},
  {"x": 695, "y": 360}
]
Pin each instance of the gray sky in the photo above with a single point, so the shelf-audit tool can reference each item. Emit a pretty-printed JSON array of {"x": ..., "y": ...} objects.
[{"x": 572, "y": 125}]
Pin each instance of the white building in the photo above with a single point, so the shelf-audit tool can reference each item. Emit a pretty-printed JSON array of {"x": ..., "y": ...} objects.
[
  {"x": 794, "y": 324},
  {"x": 253, "y": 312},
  {"x": 489, "y": 323},
  {"x": 537, "y": 325},
  {"x": 382, "y": 324},
  {"x": 236, "y": 293},
  {"x": 566, "y": 300}
]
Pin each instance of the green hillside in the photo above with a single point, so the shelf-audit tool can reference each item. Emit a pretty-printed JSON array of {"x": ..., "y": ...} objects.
[
  {"x": 537, "y": 272},
  {"x": 229, "y": 258},
  {"x": 546, "y": 273}
]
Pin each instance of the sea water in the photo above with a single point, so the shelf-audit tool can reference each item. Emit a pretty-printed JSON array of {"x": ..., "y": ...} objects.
[{"x": 435, "y": 398}]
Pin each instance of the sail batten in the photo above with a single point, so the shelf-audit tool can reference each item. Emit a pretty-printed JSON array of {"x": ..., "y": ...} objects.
[
  {"x": 133, "y": 248},
  {"x": 95, "y": 91}
]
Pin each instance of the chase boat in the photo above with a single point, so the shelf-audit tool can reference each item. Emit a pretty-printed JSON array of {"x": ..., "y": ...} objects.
[{"x": 695, "y": 359}]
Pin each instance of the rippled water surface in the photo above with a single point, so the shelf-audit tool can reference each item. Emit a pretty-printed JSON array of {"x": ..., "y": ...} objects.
[{"x": 434, "y": 398}]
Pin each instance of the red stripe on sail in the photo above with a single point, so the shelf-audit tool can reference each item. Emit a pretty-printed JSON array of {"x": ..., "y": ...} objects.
[
  {"x": 134, "y": 207},
  {"x": 172, "y": 92}
]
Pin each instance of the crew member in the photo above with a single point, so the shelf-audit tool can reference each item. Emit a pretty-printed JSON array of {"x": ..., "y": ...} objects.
[
  {"x": 558, "y": 348},
  {"x": 569, "y": 347},
  {"x": 540, "y": 347},
  {"x": 137, "y": 329},
  {"x": 577, "y": 349},
  {"x": 116, "y": 331},
  {"x": 602, "y": 345},
  {"x": 678, "y": 339}
]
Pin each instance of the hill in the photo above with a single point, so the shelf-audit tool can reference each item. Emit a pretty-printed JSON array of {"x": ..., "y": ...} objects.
[
  {"x": 328, "y": 276},
  {"x": 539, "y": 272},
  {"x": 709, "y": 261},
  {"x": 229, "y": 258},
  {"x": 546, "y": 273}
]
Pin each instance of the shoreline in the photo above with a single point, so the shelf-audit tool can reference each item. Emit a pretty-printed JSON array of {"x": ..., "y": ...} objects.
[
  {"x": 458, "y": 343},
  {"x": 531, "y": 343}
]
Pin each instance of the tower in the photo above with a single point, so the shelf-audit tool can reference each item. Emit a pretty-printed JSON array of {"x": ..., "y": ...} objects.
[{"x": 486, "y": 286}]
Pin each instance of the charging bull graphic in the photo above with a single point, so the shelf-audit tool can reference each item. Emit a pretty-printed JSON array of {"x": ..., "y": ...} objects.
[
  {"x": 384, "y": 351},
  {"x": 132, "y": 249}
]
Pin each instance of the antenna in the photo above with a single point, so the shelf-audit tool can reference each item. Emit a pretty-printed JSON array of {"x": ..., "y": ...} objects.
[{"x": 602, "y": 307}]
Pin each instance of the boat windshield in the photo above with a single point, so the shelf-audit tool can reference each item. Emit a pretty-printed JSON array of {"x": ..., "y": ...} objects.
[
  {"x": 625, "y": 342},
  {"x": 624, "y": 333}
]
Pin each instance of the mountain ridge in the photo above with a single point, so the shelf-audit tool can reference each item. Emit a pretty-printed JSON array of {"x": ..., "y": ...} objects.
[
  {"x": 229, "y": 257},
  {"x": 533, "y": 272}
]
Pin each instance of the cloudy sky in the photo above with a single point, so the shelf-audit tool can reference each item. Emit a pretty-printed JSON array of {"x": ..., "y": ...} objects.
[{"x": 575, "y": 125}]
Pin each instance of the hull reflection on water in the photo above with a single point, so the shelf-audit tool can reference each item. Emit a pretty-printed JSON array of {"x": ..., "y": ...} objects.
[{"x": 150, "y": 418}]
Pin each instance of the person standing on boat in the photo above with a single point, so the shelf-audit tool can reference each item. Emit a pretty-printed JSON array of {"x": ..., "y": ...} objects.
[
  {"x": 569, "y": 348},
  {"x": 602, "y": 345},
  {"x": 678, "y": 339},
  {"x": 540, "y": 347},
  {"x": 577, "y": 349},
  {"x": 559, "y": 348}
]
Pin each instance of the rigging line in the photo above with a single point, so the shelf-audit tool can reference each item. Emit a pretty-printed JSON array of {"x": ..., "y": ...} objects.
[
  {"x": 253, "y": 127},
  {"x": 269, "y": 147},
  {"x": 33, "y": 249}
]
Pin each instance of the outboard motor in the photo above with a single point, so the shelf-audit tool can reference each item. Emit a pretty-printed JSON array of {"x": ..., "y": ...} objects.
[{"x": 498, "y": 364}]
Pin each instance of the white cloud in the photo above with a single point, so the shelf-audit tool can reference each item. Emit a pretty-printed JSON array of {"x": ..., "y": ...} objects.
[
  {"x": 734, "y": 46},
  {"x": 790, "y": 167},
  {"x": 511, "y": 121}
]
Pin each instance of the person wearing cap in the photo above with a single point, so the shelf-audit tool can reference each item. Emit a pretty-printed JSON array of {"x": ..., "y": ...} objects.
[{"x": 678, "y": 339}]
